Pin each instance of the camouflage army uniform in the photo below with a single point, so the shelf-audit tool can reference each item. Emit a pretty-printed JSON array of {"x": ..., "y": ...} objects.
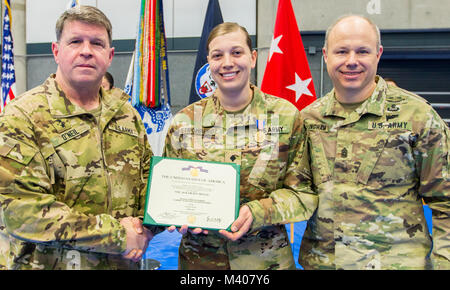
[
  {"x": 66, "y": 180},
  {"x": 370, "y": 169},
  {"x": 264, "y": 146}
]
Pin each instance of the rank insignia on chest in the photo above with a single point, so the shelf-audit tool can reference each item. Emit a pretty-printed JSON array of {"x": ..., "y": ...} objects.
[{"x": 61, "y": 125}]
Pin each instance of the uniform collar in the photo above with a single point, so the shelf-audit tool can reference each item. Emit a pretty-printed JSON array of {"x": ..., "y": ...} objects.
[
  {"x": 60, "y": 106},
  {"x": 255, "y": 109},
  {"x": 375, "y": 104}
]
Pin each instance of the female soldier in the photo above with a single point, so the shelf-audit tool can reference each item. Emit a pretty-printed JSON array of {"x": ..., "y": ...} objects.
[{"x": 240, "y": 124}]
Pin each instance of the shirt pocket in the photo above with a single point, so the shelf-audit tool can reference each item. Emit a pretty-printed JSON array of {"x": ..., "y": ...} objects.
[
  {"x": 17, "y": 151},
  {"x": 14, "y": 157},
  {"x": 391, "y": 161},
  {"x": 74, "y": 185},
  {"x": 71, "y": 162},
  {"x": 371, "y": 147},
  {"x": 270, "y": 164},
  {"x": 68, "y": 181},
  {"x": 320, "y": 168}
]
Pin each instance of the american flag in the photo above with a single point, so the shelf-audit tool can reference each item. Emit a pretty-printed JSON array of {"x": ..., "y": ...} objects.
[{"x": 8, "y": 72}]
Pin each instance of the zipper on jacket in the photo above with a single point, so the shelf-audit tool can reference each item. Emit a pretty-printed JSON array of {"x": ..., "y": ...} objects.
[{"x": 104, "y": 167}]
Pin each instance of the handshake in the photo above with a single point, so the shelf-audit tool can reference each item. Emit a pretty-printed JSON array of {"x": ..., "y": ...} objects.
[{"x": 138, "y": 238}]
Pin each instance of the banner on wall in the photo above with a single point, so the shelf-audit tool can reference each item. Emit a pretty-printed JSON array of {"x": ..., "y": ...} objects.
[
  {"x": 8, "y": 78},
  {"x": 202, "y": 84},
  {"x": 287, "y": 73},
  {"x": 147, "y": 81}
]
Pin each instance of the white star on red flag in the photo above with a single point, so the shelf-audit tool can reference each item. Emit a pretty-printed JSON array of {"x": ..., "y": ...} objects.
[
  {"x": 287, "y": 73},
  {"x": 274, "y": 48},
  {"x": 300, "y": 87}
]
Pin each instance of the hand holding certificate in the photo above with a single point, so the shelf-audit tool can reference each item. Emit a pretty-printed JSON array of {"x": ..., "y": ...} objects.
[
  {"x": 240, "y": 226},
  {"x": 198, "y": 194}
]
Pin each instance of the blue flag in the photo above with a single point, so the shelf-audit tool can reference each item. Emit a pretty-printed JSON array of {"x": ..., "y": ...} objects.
[
  {"x": 72, "y": 3},
  {"x": 8, "y": 74},
  {"x": 202, "y": 83}
]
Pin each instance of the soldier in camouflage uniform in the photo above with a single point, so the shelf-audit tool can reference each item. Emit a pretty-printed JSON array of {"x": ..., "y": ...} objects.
[
  {"x": 261, "y": 135},
  {"x": 370, "y": 152},
  {"x": 72, "y": 175}
]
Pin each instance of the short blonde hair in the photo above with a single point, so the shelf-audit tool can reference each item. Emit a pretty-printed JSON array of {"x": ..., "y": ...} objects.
[
  {"x": 225, "y": 28},
  {"x": 83, "y": 13}
]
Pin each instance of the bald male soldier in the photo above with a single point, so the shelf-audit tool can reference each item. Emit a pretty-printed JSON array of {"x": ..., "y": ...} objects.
[
  {"x": 370, "y": 152},
  {"x": 74, "y": 161}
]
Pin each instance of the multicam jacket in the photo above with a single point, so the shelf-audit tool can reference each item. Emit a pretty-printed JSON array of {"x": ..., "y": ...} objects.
[
  {"x": 262, "y": 139},
  {"x": 66, "y": 180},
  {"x": 370, "y": 169}
]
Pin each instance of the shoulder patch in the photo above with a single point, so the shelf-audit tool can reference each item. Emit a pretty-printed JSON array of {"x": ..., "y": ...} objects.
[{"x": 16, "y": 150}]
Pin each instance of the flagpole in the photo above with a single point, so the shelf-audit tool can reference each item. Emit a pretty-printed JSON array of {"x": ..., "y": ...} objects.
[{"x": 292, "y": 233}]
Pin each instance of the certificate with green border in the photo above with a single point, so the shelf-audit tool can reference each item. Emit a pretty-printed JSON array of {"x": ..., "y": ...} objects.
[{"x": 199, "y": 194}]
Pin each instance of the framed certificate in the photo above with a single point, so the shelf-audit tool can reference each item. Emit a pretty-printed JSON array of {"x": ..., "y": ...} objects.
[{"x": 195, "y": 193}]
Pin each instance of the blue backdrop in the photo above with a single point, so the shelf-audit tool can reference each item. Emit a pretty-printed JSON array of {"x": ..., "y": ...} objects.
[{"x": 164, "y": 247}]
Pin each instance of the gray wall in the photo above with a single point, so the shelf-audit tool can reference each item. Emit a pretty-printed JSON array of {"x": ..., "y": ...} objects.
[
  {"x": 313, "y": 17},
  {"x": 183, "y": 20},
  {"x": 317, "y": 15},
  {"x": 181, "y": 67}
]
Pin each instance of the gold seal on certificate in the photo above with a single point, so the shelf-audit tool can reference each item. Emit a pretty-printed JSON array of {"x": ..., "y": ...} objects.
[{"x": 195, "y": 193}]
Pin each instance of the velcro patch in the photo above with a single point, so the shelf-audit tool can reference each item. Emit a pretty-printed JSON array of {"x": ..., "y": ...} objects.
[{"x": 389, "y": 125}]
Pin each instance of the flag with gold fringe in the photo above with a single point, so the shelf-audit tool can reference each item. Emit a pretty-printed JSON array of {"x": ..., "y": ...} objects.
[{"x": 148, "y": 75}]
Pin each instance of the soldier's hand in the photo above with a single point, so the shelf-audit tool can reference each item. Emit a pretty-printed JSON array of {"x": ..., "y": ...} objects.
[
  {"x": 140, "y": 229},
  {"x": 240, "y": 226},
  {"x": 138, "y": 238},
  {"x": 184, "y": 229}
]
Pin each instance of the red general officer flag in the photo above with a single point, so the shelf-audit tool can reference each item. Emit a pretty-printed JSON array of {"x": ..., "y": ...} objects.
[{"x": 287, "y": 73}]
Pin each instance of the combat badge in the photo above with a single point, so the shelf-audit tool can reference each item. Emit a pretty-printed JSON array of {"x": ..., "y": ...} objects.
[{"x": 61, "y": 125}]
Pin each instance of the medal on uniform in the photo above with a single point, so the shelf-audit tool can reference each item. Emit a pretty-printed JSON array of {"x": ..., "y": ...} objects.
[{"x": 260, "y": 136}]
